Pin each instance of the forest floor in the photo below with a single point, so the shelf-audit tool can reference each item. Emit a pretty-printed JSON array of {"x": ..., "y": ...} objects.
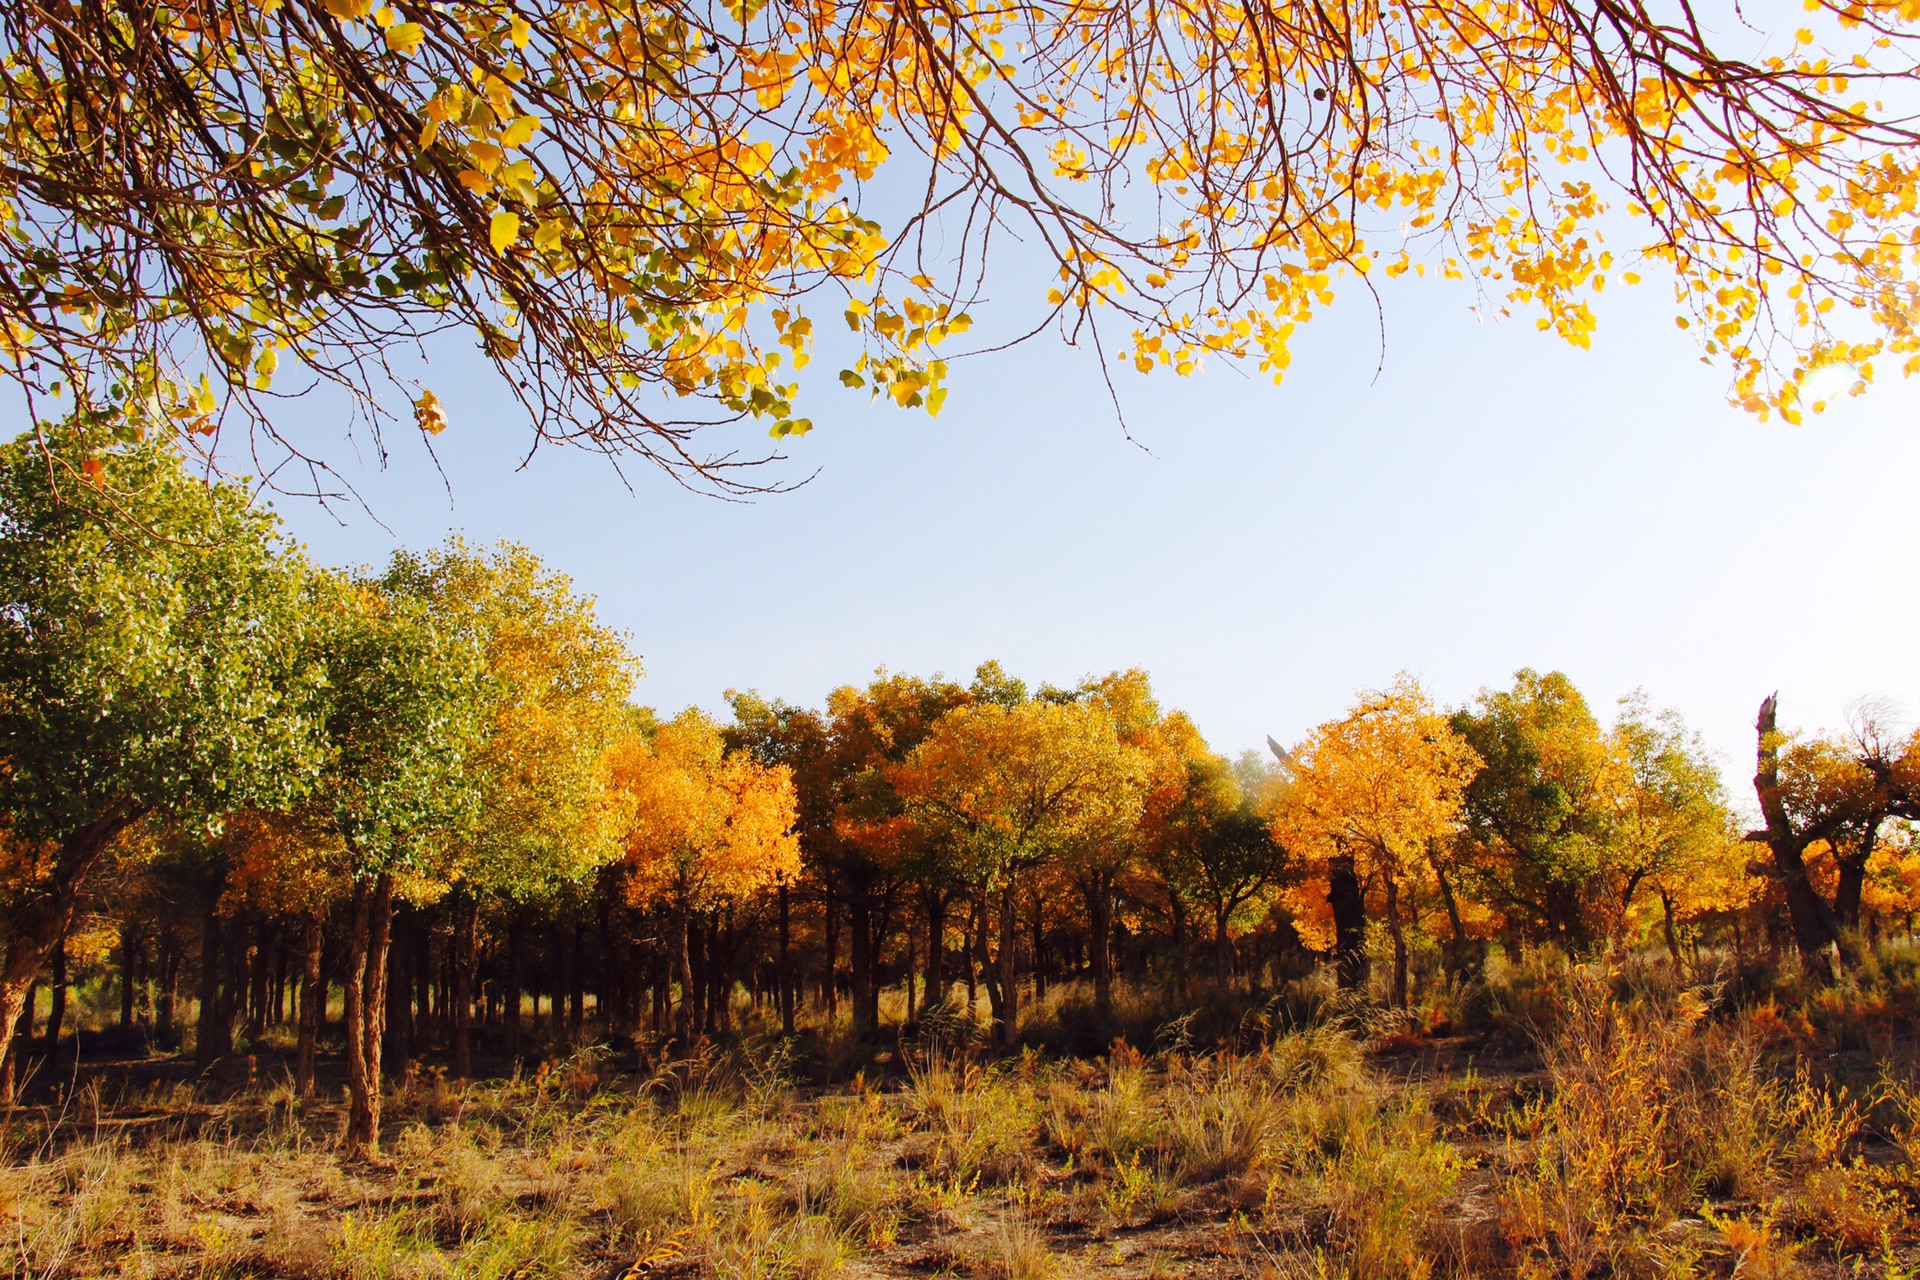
[{"x": 1650, "y": 1137}]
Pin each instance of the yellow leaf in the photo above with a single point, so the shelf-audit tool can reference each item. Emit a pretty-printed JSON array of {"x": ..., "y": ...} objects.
[
  {"x": 428, "y": 415},
  {"x": 504, "y": 230},
  {"x": 517, "y": 133},
  {"x": 522, "y": 29},
  {"x": 403, "y": 38}
]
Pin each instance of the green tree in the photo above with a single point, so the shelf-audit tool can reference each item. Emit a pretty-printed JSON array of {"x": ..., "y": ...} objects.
[
  {"x": 407, "y": 702},
  {"x": 1221, "y": 851},
  {"x": 1670, "y": 828},
  {"x": 1537, "y": 813},
  {"x": 151, "y": 661}
]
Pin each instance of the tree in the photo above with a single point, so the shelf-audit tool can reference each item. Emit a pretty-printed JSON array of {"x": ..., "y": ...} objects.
[
  {"x": 294, "y": 866},
  {"x": 710, "y": 827},
  {"x": 1832, "y": 793},
  {"x": 545, "y": 814},
  {"x": 407, "y": 701},
  {"x": 1221, "y": 849},
  {"x": 1537, "y": 814},
  {"x": 797, "y": 739},
  {"x": 875, "y": 844},
  {"x": 1102, "y": 855},
  {"x": 1012, "y": 787},
  {"x": 1670, "y": 827},
  {"x": 1366, "y": 799},
  {"x": 620, "y": 203},
  {"x": 150, "y": 661}
]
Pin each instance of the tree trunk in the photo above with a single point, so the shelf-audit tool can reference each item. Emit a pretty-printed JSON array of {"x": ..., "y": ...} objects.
[
  {"x": 577, "y": 979},
  {"x": 164, "y": 1024},
  {"x": 1399, "y": 942},
  {"x": 57, "y": 1009},
  {"x": 830, "y": 984},
  {"x": 213, "y": 1036},
  {"x": 397, "y": 1046},
  {"x": 1177, "y": 919},
  {"x": 974, "y": 950},
  {"x": 42, "y": 919},
  {"x": 786, "y": 981},
  {"x": 1349, "y": 923},
  {"x": 1815, "y": 929},
  {"x": 1853, "y": 879},
  {"x": 16, "y": 1007},
  {"x": 683, "y": 1025},
  {"x": 510, "y": 995},
  {"x": 1006, "y": 1009},
  {"x": 1038, "y": 959},
  {"x": 910, "y": 972},
  {"x": 1666, "y": 924},
  {"x": 313, "y": 1002},
  {"x": 862, "y": 958},
  {"x": 259, "y": 974},
  {"x": 1457, "y": 934},
  {"x": 936, "y": 965},
  {"x": 1097, "y": 889},
  {"x": 366, "y": 1007},
  {"x": 1222, "y": 948},
  {"x": 129, "y": 941},
  {"x": 465, "y": 908}
]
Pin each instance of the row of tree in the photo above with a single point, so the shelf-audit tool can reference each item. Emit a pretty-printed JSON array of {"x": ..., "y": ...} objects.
[{"x": 428, "y": 789}]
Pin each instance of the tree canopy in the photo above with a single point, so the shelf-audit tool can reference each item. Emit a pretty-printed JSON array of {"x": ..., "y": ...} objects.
[{"x": 641, "y": 216}]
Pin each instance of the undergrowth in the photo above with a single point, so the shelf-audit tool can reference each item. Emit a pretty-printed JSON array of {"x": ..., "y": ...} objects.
[{"x": 1640, "y": 1128}]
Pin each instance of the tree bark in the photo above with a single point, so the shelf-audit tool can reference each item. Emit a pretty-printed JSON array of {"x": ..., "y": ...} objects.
[
  {"x": 397, "y": 1046},
  {"x": 57, "y": 1008},
  {"x": 510, "y": 995},
  {"x": 1457, "y": 940},
  {"x": 213, "y": 1034},
  {"x": 1399, "y": 942},
  {"x": 42, "y": 918},
  {"x": 936, "y": 962},
  {"x": 1097, "y": 889},
  {"x": 830, "y": 983},
  {"x": 786, "y": 981},
  {"x": 863, "y": 956},
  {"x": 129, "y": 940},
  {"x": 1006, "y": 1009},
  {"x": 164, "y": 1025},
  {"x": 465, "y": 908},
  {"x": 313, "y": 1003},
  {"x": 1815, "y": 929},
  {"x": 1222, "y": 948},
  {"x": 1349, "y": 923},
  {"x": 577, "y": 979},
  {"x": 683, "y": 1025},
  {"x": 366, "y": 1008}
]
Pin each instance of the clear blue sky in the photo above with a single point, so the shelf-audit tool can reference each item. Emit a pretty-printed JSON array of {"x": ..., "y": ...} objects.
[{"x": 1494, "y": 499}]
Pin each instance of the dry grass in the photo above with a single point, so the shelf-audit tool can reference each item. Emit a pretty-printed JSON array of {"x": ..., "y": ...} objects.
[{"x": 1647, "y": 1135}]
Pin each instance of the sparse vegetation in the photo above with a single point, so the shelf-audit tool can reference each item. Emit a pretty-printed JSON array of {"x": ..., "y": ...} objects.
[{"x": 1653, "y": 1126}]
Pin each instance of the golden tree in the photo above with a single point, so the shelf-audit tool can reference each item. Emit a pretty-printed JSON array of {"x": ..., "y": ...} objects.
[
  {"x": 219, "y": 201},
  {"x": 1013, "y": 787},
  {"x": 708, "y": 827},
  {"x": 1367, "y": 798},
  {"x": 546, "y": 816}
]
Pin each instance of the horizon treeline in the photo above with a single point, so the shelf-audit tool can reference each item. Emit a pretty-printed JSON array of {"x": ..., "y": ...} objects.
[{"x": 239, "y": 782}]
